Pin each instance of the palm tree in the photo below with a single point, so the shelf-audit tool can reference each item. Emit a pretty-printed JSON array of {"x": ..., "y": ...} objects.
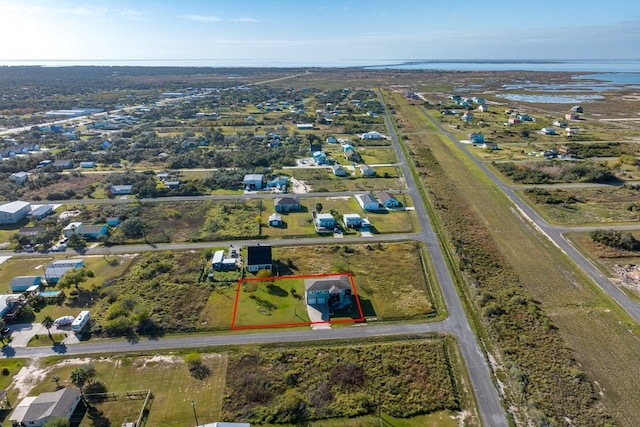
[{"x": 47, "y": 322}]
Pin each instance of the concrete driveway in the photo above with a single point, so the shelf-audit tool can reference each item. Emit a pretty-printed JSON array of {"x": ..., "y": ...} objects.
[{"x": 21, "y": 333}]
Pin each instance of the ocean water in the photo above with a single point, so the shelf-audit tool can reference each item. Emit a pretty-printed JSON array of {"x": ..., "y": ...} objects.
[{"x": 593, "y": 66}]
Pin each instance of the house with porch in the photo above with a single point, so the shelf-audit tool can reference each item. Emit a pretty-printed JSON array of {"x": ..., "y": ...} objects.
[
  {"x": 352, "y": 220},
  {"x": 333, "y": 292},
  {"x": 325, "y": 221},
  {"x": 22, "y": 283}
]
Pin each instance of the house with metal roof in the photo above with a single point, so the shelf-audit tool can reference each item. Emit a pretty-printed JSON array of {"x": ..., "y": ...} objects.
[
  {"x": 252, "y": 181},
  {"x": 22, "y": 283},
  {"x": 13, "y": 212}
]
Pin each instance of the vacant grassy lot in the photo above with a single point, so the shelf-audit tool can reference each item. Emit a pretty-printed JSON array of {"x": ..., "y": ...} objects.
[
  {"x": 309, "y": 383},
  {"x": 167, "y": 376},
  {"x": 586, "y": 205},
  {"x": 383, "y": 292},
  {"x": 323, "y": 180}
]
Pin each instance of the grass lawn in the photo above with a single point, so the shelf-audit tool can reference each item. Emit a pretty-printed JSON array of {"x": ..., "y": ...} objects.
[
  {"x": 395, "y": 221},
  {"x": 44, "y": 340},
  {"x": 218, "y": 310},
  {"x": 275, "y": 302},
  {"x": 295, "y": 223}
]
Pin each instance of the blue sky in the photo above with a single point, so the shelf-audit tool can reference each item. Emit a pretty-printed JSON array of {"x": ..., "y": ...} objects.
[{"x": 318, "y": 31}]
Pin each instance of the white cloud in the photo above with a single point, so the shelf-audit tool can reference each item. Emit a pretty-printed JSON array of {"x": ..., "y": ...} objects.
[
  {"x": 245, "y": 20},
  {"x": 86, "y": 11},
  {"x": 133, "y": 15},
  {"x": 201, "y": 18}
]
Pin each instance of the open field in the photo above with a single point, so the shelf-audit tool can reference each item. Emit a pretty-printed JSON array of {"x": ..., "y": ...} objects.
[
  {"x": 571, "y": 206},
  {"x": 581, "y": 313},
  {"x": 167, "y": 377},
  {"x": 323, "y": 180},
  {"x": 293, "y": 385}
]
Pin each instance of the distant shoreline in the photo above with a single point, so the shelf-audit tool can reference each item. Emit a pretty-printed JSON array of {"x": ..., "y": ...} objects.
[{"x": 548, "y": 65}]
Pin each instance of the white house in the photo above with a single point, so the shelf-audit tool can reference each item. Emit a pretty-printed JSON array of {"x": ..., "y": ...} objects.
[
  {"x": 13, "y": 212},
  {"x": 372, "y": 135},
  {"x": 368, "y": 202},
  {"x": 352, "y": 220},
  {"x": 548, "y": 131},
  {"x": 121, "y": 189},
  {"x": 71, "y": 228}
]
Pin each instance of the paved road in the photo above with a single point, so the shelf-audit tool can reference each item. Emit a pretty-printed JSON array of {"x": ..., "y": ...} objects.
[
  {"x": 191, "y": 341},
  {"x": 553, "y": 233},
  {"x": 489, "y": 406}
]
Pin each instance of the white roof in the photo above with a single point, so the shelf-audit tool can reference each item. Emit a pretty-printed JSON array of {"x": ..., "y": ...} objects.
[{"x": 13, "y": 207}]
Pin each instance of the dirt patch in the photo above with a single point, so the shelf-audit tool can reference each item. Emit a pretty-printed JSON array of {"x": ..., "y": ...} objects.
[
  {"x": 627, "y": 276},
  {"x": 299, "y": 187},
  {"x": 28, "y": 377}
]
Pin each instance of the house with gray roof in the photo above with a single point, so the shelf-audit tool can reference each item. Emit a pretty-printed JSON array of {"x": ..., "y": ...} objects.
[
  {"x": 37, "y": 410},
  {"x": 333, "y": 292}
]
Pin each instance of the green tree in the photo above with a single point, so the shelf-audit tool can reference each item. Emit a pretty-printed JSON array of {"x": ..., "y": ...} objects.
[
  {"x": 132, "y": 228},
  {"x": 47, "y": 322},
  {"x": 75, "y": 241},
  {"x": 74, "y": 277},
  {"x": 83, "y": 375},
  {"x": 318, "y": 207}
]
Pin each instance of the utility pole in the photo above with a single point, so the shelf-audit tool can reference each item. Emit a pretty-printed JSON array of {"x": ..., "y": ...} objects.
[{"x": 193, "y": 405}]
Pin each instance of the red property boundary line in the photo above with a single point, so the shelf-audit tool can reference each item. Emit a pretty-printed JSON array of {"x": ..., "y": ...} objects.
[{"x": 285, "y": 325}]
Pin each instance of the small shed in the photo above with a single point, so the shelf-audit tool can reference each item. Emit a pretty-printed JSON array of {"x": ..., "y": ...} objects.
[{"x": 275, "y": 220}]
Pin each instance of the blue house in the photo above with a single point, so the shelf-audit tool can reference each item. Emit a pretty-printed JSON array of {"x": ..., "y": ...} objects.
[
  {"x": 113, "y": 221},
  {"x": 319, "y": 158},
  {"x": 121, "y": 189},
  {"x": 87, "y": 165},
  {"x": 280, "y": 183},
  {"x": 476, "y": 138},
  {"x": 92, "y": 231},
  {"x": 388, "y": 200},
  {"x": 22, "y": 283}
]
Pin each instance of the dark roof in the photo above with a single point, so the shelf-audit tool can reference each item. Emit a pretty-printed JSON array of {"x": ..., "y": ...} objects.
[
  {"x": 31, "y": 231},
  {"x": 92, "y": 229},
  {"x": 257, "y": 255},
  {"x": 384, "y": 196},
  {"x": 331, "y": 283},
  {"x": 286, "y": 201}
]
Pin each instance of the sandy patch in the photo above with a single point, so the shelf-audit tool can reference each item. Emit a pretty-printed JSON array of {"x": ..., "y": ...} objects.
[
  {"x": 28, "y": 377},
  {"x": 4, "y": 258}
]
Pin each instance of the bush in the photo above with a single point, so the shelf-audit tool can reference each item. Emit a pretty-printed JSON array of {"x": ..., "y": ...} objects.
[{"x": 616, "y": 239}]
